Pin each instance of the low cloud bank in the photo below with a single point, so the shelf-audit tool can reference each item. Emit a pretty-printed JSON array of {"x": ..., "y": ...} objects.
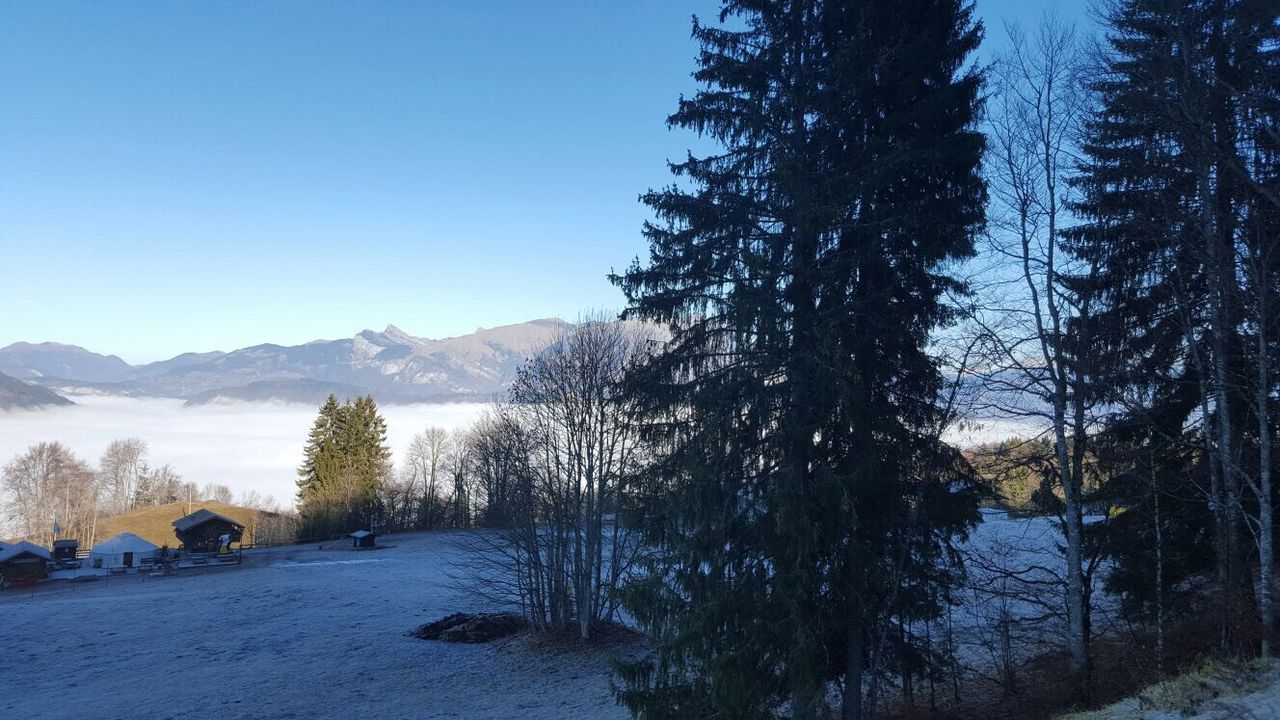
[
  {"x": 245, "y": 446},
  {"x": 256, "y": 446}
]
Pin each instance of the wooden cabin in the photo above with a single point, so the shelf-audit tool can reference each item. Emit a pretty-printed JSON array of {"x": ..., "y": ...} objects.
[
  {"x": 202, "y": 530},
  {"x": 23, "y": 563},
  {"x": 363, "y": 539},
  {"x": 65, "y": 550}
]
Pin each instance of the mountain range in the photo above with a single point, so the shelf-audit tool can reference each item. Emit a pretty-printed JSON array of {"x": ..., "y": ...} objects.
[
  {"x": 392, "y": 365},
  {"x": 15, "y": 394}
]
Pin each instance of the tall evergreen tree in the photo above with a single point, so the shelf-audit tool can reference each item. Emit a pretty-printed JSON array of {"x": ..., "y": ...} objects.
[
  {"x": 345, "y": 463},
  {"x": 318, "y": 456},
  {"x": 1175, "y": 177},
  {"x": 362, "y": 436},
  {"x": 803, "y": 486}
]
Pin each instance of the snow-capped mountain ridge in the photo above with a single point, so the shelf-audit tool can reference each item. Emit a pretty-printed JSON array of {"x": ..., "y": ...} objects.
[{"x": 392, "y": 365}]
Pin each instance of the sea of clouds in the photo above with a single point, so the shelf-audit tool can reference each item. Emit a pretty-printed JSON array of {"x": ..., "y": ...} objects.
[
  {"x": 257, "y": 446},
  {"x": 245, "y": 446}
]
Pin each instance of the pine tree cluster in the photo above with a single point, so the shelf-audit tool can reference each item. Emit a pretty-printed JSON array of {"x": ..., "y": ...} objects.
[{"x": 346, "y": 461}]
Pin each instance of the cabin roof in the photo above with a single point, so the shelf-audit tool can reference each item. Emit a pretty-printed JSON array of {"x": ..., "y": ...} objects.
[
  {"x": 69, "y": 542},
  {"x": 11, "y": 552},
  {"x": 201, "y": 517},
  {"x": 361, "y": 534}
]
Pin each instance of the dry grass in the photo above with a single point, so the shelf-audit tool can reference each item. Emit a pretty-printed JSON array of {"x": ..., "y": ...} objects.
[
  {"x": 1123, "y": 666},
  {"x": 1187, "y": 693},
  {"x": 156, "y": 523}
]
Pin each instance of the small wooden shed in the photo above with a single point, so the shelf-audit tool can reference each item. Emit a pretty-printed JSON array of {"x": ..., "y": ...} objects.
[
  {"x": 201, "y": 530},
  {"x": 22, "y": 563},
  {"x": 65, "y": 550},
  {"x": 363, "y": 539}
]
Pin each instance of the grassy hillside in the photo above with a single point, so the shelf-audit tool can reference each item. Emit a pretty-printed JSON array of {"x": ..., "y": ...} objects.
[{"x": 156, "y": 523}]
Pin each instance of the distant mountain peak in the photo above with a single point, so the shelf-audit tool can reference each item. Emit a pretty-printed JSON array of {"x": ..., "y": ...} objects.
[
  {"x": 392, "y": 364},
  {"x": 49, "y": 346},
  {"x": 57, "y": 360},
  {"x": 397, "y": 334}
]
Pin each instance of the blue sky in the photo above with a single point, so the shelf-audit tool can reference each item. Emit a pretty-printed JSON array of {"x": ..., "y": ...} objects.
[{"x": 189, "y": 176}]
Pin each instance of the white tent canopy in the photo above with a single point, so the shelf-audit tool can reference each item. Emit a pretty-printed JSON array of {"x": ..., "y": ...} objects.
[{"x": 123, "y": 550}]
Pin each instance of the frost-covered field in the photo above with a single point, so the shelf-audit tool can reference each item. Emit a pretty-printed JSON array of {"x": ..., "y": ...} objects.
[
  {"x": 305, "y": 633},
  {"x": 1011, "y": 605},
  {"x": 302, "y": 634}
]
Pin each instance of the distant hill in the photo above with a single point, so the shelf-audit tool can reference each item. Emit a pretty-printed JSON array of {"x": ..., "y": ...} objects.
[
  {"x": 392, "y": 365},
  {"x": 164, "y": 367},
  {"x": 298, "y": 390},
  {"x": 15, "y": 394},
  {"x": 156, "y": 523},
  {"x": 54, "y": 360}
]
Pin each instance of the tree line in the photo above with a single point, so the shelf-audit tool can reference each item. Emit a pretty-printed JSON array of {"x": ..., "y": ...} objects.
[
  {"x": 1133, "y": 227},
  {"x": 891, "y": 239},
  {"x": 49, "y": 486}
]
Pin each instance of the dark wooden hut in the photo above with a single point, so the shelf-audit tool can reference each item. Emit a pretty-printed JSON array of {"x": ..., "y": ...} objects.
[
  {"x": 201, "y": 530},
  {"x": 363, "y": 539},
  {"x": 23, "y": 563},
  {"x": 65, "y": 550}
]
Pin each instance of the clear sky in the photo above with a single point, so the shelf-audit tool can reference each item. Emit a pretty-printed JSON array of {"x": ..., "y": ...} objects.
[{"x": 189, "y": 176}]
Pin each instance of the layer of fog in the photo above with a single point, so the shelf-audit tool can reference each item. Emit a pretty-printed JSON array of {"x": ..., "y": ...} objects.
[
  {"x": 975, "y": 431},
  {"x": 258, "y": 446},
  {"x": 245, "y": 446}
]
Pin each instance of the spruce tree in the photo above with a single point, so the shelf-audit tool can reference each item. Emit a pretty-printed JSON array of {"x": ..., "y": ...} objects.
[
  {"x": 366, "y": 456},
  {"x": 803, "y": 502},
  {"x": 346, "y": 460},
  {"x": 321, "y": 445},
  {"x": 1179, "y": 165}
]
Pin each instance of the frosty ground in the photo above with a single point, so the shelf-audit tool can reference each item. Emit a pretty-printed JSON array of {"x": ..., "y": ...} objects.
[
  {"x": 302, "y": 633},
  {"x": 309, "y": 633}
]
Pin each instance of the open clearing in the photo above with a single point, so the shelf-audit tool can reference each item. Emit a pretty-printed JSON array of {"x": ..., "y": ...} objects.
[
  {"x": 302, "y": 633},
  {"x": 308, "y": 633}
]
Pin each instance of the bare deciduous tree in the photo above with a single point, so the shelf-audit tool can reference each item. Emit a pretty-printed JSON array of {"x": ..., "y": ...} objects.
[
  {"x": 122, "y": 465},
  {"x": 258, "y": 501},
  {"x": 1034, "y": 320},
  {"x": 425, "y": 470},
  {"x": 217, "y": 493},
  {"x": 157, "y": 486},
  {"x": 47, "y": 486},
  {"x": 551, "y": 468},
  {"x": 584, "y": 450},
  {"x": 457, "y": 471}
]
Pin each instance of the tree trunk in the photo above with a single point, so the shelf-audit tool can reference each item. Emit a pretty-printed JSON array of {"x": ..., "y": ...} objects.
[
  {"x": 1266, "y": 548},
  {"x": 851, "y": 702},
  {"x": 1072, "y": 529}
]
